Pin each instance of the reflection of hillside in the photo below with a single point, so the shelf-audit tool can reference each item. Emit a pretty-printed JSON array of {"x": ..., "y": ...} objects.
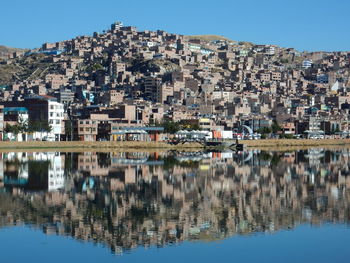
[{"x": 147, "y": 205}]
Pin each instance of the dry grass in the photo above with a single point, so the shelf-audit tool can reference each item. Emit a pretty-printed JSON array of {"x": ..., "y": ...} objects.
[
  {"x": 78, "y": 146},
  {"x": 5, "y": 51},
  {"x": 294, "y": 143},
  {"x": 207, "y": 37}
]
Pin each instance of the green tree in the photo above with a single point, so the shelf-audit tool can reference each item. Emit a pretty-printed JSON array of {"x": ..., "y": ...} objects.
[
  {"x": 97, "y": 66},
  {"x": 39, "y": 126},
  {"x": 170, "y": 126},
  {"x": 195, "y": 126},
  {"x": 335, "y": 129},
  {"x": 287, "y": 136},
  {"x": 68, "y": 129},
  {"x": 264, "y": 130},
  {"x": 22, "y": 126},
  {"x": 33, "y": 126},
  {"x": 154, "y": 123},
  {"x": 14, "y": 129},
  {"x": 45, "y": 126},
  {"x": 275, "y": 127}
]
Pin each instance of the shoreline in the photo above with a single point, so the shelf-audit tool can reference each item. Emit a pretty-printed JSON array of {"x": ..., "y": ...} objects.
[
  {"x": 81, "y": 146},
  {"x": 275, "y": 143},
  {"x": 295, "y": 144},
  {"x": 289, "y": 145},
  {"x": 71, "y": 146}
]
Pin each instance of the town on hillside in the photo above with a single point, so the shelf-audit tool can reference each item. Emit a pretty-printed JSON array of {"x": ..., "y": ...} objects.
[{"x": 125, "y": 84}]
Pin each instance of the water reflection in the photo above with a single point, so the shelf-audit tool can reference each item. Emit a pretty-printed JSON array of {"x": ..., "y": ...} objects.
[{"x": 125, "y": 200}]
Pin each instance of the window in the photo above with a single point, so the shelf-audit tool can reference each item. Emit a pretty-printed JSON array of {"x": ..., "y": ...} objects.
[
  {"x": 57, "y": 121},
  {"x": 81, "y": 129},
  {"x": 81, "y": 122}
]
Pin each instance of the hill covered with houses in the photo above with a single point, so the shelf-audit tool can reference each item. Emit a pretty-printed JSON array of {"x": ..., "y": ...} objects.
[{"x": 93, "y": 87}]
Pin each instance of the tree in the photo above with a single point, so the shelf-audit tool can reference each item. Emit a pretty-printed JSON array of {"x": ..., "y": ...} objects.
[
  {"x": 97, "y": 66},
  {"x": 287, "y": 136},
  {"x": 39, "y": 126},
  {"x": 275, "y": 127},
  {"x": 45, "y": 126},
  {"x": 170, "y": 126},
  {"x": 33, "y": 126},
  {"x": 14, "y": 129},
  {"x": 68, "y": 129},
  {"x": 22, "y": 125},
  {"x": 335, "y": 129},
  {"x": 264, "y": 130},
  {"x": 154, "y": 123},
  {"x": 195, "y": 126}
]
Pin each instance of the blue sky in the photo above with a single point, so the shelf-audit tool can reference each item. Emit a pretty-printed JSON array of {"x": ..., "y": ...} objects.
[{"x": 303, "y": 24}]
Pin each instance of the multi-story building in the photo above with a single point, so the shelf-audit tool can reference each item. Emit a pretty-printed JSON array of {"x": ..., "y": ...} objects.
[
  {"x": 307, "y": 64},
  {"x": 55, "y": 118},
  {"x": 153, "y": 88},
  {"x": 1, "y": 122},
  {"x": 85, "y": 130},
  {"x": 42, "y": 109}
]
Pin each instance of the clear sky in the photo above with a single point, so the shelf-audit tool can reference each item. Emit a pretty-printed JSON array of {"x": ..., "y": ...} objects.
[{"x": 303, "y": 24}]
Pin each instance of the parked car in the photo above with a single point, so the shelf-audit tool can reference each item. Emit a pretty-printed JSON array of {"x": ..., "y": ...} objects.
[{"x": 49, "y": 138}]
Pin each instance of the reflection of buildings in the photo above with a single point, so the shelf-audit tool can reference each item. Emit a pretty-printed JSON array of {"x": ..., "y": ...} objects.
[
  {"x": 87, "y": 162},
  {"x": 56, "y": 177},
  {"x": 1, "y": 172},
  {"x": 33, "y": 171},
  {"x": 102, "y": 164},
  {"x": 15, "y": 169},
  {"x": 163, "y": 200}
]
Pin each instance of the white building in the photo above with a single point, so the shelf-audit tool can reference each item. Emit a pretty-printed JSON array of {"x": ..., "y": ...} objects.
[
  {"x": 55, "y": 118},
  {"x": 270, "y": 50},
  {"x": 307, "y": 64}
]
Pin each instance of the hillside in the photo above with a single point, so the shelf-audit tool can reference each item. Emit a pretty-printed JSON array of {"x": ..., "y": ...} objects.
[
  {"x": 208, "y": 38},
  {"x": 26, "y": 68},
  {"x": 5, "y": 51}
]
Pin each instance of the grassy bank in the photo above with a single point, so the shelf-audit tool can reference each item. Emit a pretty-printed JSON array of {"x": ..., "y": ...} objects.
[
  {"x": 94, "y": 146},
  {"x": 76, "y": 146},
  {"x": 273, "y": 143}
]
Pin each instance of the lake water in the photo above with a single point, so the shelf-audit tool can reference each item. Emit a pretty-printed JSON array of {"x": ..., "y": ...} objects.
[{"x": 251, "y": 206}]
